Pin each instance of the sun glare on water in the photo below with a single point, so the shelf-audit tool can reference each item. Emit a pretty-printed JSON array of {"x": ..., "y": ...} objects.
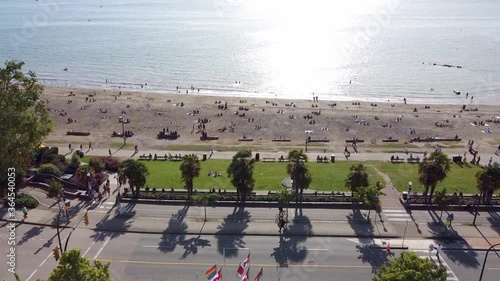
[{"x": 303, "y": 39}]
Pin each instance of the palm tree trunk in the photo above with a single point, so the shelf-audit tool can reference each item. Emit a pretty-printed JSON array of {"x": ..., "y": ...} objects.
[
  {"x": 301, "y": 194},
  {"x": 425, "y": 193},
  {"x": 205, "y": 213},
  {"x": 433, "y": 187}
]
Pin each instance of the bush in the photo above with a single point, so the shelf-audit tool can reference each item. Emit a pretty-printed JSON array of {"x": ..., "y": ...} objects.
[
  {"x": 96, "y": 163},
  {"x": 26, "y": 200},
  {"x": 54, "y": 189},
  {"x": 110, "y": 164},
  {"x": 75, "y": 161},
  {"x": 50, "y": 169}
]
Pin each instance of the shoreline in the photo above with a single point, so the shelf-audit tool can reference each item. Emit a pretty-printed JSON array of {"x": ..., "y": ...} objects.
[
  {"x": 264, "y": 120},
  {"x": 235, "y": 93}
]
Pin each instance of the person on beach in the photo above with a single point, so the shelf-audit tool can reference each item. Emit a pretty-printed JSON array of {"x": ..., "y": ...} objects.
[
  {"x": 90, "y": 146},
  {"x": 69, "y": 148}
]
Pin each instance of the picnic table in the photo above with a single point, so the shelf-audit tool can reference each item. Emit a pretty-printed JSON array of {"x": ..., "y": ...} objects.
[
  {"x": 282, "y": 140},
  {"x": 77, "y": 133}
]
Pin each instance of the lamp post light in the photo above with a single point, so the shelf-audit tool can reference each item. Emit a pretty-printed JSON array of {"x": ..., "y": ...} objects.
[
  {"x": 409, "y": 189},
  {"x": 485, "y": 258}
]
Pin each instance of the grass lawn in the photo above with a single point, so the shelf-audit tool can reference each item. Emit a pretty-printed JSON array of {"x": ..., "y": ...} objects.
[
  {"x": 268, "y": 176},
  {"x": 459, "y": 179}
]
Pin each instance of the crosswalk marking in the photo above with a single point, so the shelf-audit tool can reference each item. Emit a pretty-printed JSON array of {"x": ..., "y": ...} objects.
[
  {"x": 396, "y": 215},
  {"x": 102, "y": 208}
]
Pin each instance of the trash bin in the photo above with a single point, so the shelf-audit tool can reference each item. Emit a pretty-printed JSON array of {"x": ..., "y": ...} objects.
[
  {"x": 332, "y": 158},
  {"x": 204, "y": 157},
  {"x": 257, "y": 157}
]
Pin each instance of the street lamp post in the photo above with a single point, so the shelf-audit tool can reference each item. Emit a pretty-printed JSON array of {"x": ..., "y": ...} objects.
[
  {"x": 485, "y": 258},
  {"x": 409, "y": 189},
  {"x": 123, "y": 132}
]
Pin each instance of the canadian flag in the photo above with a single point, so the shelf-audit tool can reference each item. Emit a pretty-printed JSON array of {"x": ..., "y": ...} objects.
[
  {"x": 218, "y": 277},
  {"x": 245, "y": 278},
  {"x": 243, "y": 266}
]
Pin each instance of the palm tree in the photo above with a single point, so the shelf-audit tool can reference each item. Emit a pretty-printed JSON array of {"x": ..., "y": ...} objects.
[
  {"x": 299, "y": 173},
  {"x": 190, "y": 169},
  {"x": 240, "y": 170},
  {"x": 488, "y": 180},
  {"x": 358, "y": 177},
  {"x": 135, "y": 172},
  {"x": 432, "y": 171}
]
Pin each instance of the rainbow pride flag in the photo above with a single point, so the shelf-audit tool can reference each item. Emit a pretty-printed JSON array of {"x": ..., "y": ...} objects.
[
  {"x": 259, "y": 276},
  {"x": 212, "y": 273}
]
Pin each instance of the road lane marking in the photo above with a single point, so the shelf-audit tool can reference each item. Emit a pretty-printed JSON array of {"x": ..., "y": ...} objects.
[
  {"x": 102, "y": 247},
  {"x": 228, "y": 264},
  {"x": 91, "y": 245},
  {"x": 48, "y": 256}
]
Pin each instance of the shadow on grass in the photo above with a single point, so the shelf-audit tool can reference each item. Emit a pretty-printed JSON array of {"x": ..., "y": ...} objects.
[
  {"x": 466, "y": 258},
  {"x": 175, "y": 232},
  {"x": 231, "y": 232},
  {"x": 114, "y": 226},
  {"x": 289, "y": 251}
]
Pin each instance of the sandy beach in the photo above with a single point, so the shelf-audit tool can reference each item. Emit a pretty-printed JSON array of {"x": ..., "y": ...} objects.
[{"x": 98, "y": 112}]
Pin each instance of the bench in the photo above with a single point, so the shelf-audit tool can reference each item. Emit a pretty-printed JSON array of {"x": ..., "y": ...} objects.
[
  {"x": 282, "y": 140},
  {"x": 351, "y": 141},
  {"x": 209, "y": 138},
  {"x": 245, "y": 139},
  {"x": 390, "y": 140},
  {"x": 318, "y": 140},
  {"x": 322, "y": 160},
  {"x": 413, "y": 160},
  {"x": 161, "y": 158},
  {"x": 400, "y": 160},
  {"x": 144, "y": 157},
  {"x": 76, "y": 133},
  {"x": 268, "y": 159}
]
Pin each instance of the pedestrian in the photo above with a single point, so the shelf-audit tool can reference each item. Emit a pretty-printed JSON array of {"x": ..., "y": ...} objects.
[
  {"x": 25, "y": 212},
  {"x": 69, "y": 148},
  {"x": 136, "y": 149},
  {"x": 81, "y": 147},
  {"x": 438, "y": 250},
  {"x": 109, "y": 150},
  {"x": 431, "y": 248},
  {"x": 90, "y": 146},
  {"x": 489, "y": 161},
  {"x": 478, "y": 159}
]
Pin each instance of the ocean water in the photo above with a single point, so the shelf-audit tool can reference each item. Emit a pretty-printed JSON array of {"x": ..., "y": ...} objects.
[{"x": 338, "y": 50}]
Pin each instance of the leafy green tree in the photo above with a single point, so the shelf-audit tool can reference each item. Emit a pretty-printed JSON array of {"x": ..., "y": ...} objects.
[
  {"x": 135, "y": 172},
  {"x": 75, "y": 161},
  {"x": 298, "y": 172},
  {"x": 190, "y": 169},
  {"x": 370, "y": 196},
  {"x": 73, "y": 267},
  {"x": 357, "y": 178},
  {"x": 97, "y": 164},
  {"x": 240, "y": 171},
  {"x": 24, "y": 119},
  {"x": 54, "y": 189},
  {"x": 204, "y": 200},
  {"x": 432, "y": 171},
  {"x": 410, "y": 267},
  {"x": 488, "y": 180},
  {"x": 284, "y": 196},
  {"x": 440, "y": 200}
]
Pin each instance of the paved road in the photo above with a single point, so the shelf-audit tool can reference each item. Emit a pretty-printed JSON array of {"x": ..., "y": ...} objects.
[{"x": 177, "y": 257}]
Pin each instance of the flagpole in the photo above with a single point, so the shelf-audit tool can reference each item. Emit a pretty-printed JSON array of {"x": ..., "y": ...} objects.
[{"x": 224, "y": 263}]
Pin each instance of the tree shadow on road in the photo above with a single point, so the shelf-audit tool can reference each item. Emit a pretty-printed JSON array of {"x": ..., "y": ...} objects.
[
  {"x": 114, "y": 226},
  {"x": 289, "y": 251},
  {"x": 494, "y": 221},
  {"x": 467, "y": 257},
  {"x": 374, "y": 256},
  {"x": 231, "y": 232},
  {"x": 191, "y": 245},
  {"x": 358, "y": 223},
  {"x": 175, "y": 232},
  {"x": 32, "y": 232}
]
